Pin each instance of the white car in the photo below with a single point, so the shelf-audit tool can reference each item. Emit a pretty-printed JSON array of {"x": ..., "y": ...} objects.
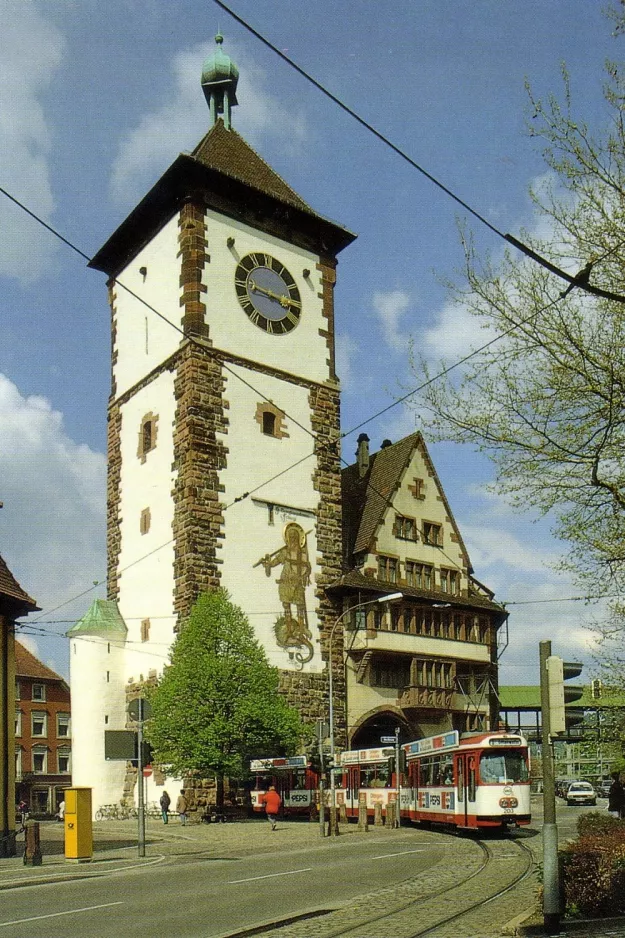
[{"x": 581, "y": 793}]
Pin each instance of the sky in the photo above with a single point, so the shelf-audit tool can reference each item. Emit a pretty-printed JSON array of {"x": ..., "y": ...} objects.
[{"x": 96, "y": 101}]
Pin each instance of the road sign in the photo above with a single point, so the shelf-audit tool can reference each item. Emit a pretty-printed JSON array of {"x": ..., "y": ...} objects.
[
  {"x": 386, "y": 740},
  {"x": 147, "y": 771}
]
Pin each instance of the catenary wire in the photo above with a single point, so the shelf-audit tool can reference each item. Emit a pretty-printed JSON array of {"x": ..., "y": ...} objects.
[{"x": 510, "y": 239}]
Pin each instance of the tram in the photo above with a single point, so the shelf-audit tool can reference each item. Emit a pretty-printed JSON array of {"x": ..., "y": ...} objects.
[
  {"x": 294, "y": 779},
  {"x": 473, "y": 781}
]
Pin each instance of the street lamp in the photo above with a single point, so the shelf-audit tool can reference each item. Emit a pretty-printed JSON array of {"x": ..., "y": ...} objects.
[{"x": 370, "y": 602}]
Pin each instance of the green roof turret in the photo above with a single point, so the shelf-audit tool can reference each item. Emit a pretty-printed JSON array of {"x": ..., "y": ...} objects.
[
  {"x": 103, "y": 617},
  {"x": 219, "y": 83}
]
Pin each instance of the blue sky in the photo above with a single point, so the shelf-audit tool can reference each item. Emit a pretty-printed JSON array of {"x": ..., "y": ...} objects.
[{"x": 97, "y": 100}]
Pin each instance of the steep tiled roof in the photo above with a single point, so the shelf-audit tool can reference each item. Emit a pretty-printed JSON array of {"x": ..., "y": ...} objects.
[
  {"x": 10, "y": 589},
  {"x": 366, "y": 499},
  {"x": 27, "y": 665},
  {"x": 228, "y": 153}
]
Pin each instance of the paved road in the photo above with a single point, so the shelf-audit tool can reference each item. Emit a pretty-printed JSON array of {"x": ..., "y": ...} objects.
[{"x": 214, "y": 880}]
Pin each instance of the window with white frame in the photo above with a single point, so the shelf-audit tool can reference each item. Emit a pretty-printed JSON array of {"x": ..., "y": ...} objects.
[
  {"x": 18, "y": 762},
  {"x": 39, "y": 692},
  {"x": 18, "y": 691},
  {"x": 40, "y": 760},
  {"x": 62, "y": 725},
  {"x": 39, "y": 723},
  {"x": 18, "y": 722},
  {"x": 64, "y": 757}
]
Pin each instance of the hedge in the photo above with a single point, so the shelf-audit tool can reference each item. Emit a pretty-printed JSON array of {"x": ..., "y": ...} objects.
[{"x": 593, "y": 867}]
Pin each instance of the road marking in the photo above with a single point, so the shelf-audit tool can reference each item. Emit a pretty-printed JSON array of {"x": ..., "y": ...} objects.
[
  {"x": 383, "y": 856},
  {"x": 36, "y": 918},
  {"x": 232, "y": 882},
  {"x": 71, "y": 875}
]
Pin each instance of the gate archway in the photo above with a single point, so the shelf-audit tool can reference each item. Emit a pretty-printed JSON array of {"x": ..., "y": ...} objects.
[{"x": 369, "y": 732}]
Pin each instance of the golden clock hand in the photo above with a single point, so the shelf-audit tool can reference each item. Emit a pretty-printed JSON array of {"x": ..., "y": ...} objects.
[{"x": 283, "y": 300}]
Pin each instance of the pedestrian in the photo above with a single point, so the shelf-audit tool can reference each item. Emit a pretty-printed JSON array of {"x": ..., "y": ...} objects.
[
  {"x": 61, "y": 811},
  {"x": 616, "y": 797},
  {"x": 272, "y": 801},
  {"x": 182, "y": 807},
  {"x": 165, "y": 802}
]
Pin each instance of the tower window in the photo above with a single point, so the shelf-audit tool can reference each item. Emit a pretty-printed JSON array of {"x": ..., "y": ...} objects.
[
  {"x": 144, "y": 521},
  {"x": 269, "y": 423},
  {"x": 145, "y": 630},
  {"x": 147, "y": 435},
  {"x": 271, "y": 420}
]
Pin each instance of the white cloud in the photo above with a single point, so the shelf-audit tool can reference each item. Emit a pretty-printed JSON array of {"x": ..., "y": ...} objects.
[
  {"x": 178, "y": 124},
  {"x": 52, "y": 526},
  {"x": 31, "y": 53},
  {"x": 390, "y": 307},
  {"x": 490, "y": 546}
]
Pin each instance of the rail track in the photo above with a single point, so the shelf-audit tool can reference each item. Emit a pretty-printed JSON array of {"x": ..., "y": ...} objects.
[{"x": 413, "y": 909}]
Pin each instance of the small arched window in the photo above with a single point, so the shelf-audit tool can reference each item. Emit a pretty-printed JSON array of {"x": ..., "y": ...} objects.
[
  {"x": 147, "y": 435},
  {"x": 269, "y": 423}
]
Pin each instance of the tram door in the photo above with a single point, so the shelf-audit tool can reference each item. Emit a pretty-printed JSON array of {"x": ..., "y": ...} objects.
[
  {"x": 353, "y": 784},
  {"x": 464, "y": 764}
]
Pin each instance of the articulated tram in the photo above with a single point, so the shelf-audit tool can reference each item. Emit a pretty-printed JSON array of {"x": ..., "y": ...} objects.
[
  {"x": 472, "y": 781},
  {"x": 295, "y": 780}
]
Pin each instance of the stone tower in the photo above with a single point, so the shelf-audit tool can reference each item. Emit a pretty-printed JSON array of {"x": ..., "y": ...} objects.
[{"x": 223, "y": 420}]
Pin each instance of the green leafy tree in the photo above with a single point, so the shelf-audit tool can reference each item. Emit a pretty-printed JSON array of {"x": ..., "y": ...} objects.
[
  {"x": 547, "y": 402},
  {"x": 217, "y": 703}
]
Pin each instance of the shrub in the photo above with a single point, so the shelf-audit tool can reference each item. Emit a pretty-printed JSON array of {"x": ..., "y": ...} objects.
[
  {"x": 593, "y": 869},
  {"x": 599, "y": 823}
]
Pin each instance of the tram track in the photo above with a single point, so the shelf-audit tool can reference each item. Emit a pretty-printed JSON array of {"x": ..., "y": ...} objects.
[{"x": 395, "y": 916}]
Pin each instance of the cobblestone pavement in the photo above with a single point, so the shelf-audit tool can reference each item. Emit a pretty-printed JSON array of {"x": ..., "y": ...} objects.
[{"x": 365, "y": 916}]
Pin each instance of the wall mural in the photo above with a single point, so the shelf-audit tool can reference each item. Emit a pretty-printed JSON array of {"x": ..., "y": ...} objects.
[{"x": 291, "y": 629}]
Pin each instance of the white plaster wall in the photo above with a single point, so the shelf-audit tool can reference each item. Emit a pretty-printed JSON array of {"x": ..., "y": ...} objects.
[
  {"x": 97, "y": 683},
  {"x": 431, "y": 508},
  {"x": 252, "y": 458},
  {"x": 146, "y": 586},
  {"x": 302, "y": 351},
  {"x": 143, "y": 339}
]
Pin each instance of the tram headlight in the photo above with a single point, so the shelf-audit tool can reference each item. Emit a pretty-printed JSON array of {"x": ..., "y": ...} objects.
[{"x": 508, "y": 803}]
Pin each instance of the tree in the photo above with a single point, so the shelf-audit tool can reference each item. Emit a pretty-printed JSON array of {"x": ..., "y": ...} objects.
[
  {"x": 547, "y": 402},
  {"x": 217, "y": 703}
]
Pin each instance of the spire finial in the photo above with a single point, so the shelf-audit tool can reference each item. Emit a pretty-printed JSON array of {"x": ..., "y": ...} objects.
[{"x": 219, "y": 83}]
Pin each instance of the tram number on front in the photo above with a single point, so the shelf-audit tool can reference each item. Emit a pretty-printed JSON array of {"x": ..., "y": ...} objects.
[{"x": 508, "y": 810}]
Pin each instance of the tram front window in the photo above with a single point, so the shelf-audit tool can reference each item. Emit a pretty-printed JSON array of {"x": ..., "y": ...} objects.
[
  {"x": 503, "y": 768},
  {"x": 298, "y": 782}
]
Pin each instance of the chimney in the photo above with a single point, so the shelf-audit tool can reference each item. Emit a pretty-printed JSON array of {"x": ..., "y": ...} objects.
[
  {"x": 362, "y": 454},
  {"x": 386, "y": 443}
]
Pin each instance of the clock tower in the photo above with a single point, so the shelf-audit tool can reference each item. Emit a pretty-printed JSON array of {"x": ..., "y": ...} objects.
[{"x": 223, "y": 420}]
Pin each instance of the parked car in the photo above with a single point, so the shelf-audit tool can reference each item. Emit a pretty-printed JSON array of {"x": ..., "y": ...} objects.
[{"x": 581, "y": 793}]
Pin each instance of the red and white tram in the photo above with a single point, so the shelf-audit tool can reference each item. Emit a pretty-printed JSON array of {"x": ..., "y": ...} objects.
[
  {"x": 471, "y": 781},
  {"x": 293, "y": 777}
]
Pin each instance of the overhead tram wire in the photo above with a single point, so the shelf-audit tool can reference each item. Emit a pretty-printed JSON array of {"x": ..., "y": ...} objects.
[
  {"x": 573, "y": 281},
  {"x": 244, "y": 495}
]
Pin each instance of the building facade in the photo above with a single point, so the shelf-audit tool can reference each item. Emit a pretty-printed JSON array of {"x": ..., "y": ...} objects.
[
  {"x": 427, "y": 662},
  {"x": 224, "y": 469},
  {"x": 43, "y": 749}
]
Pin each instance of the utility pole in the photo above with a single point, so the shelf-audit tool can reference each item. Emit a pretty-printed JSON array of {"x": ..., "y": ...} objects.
[
  {"x": 140, "y": 799},
  {"x": 397, "y": 777},
  {"x": 551, "y": 873}
]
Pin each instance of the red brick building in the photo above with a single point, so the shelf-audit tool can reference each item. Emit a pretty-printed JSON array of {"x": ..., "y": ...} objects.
[{"x": 42, "y": 734}]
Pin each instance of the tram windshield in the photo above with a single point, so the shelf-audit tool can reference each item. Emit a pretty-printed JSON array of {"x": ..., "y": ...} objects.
[
  {"x": 377, "y": 775},
  {"x": 503, "y": 767}
]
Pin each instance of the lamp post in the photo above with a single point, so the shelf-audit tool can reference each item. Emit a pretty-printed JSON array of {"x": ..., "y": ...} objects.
[{"x": 370, "y": 602}]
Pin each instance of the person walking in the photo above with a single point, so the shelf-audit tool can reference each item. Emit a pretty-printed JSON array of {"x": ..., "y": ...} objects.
[
  {"x": 272, "y": 801},
  {"x": 616, "y": 797},
  {"x": 61, "y": 811},
  {"x": 182, "y": 807},
  {"x": 165, "y": 802}
]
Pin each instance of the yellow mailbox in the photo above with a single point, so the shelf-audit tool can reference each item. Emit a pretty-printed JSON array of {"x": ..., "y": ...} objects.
[{"x": 78, "y": 829}]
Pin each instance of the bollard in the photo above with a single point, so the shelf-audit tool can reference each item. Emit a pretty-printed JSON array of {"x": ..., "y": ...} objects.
[
  {"x": 390, "y": 815},
  {"x": 342, "y": 814},
  {"x": 363, "y": 819},
  {"x": 377, "y": 815},
  {"x": 334, "y": 823},
  {"x": 32, "y": 851}
]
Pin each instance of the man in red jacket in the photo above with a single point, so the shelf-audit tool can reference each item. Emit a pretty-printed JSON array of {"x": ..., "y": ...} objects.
[{"x": 272, "y": 801}]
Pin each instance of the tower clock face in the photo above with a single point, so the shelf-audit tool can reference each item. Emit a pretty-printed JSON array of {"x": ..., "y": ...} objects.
[{"x": 268, "y": 293}]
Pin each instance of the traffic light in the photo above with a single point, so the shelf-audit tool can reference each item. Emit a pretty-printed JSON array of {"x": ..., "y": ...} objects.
[
  {"x": 403, "y": 762},
  {"x": 558, "y": 672}
]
